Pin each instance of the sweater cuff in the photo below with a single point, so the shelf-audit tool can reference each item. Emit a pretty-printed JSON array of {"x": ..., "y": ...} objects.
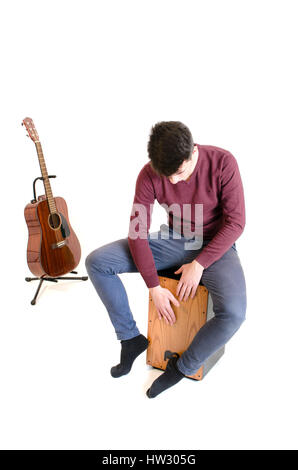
[
  {"x": 204, "y": 260},
  {"x": 151, "y": 280}
]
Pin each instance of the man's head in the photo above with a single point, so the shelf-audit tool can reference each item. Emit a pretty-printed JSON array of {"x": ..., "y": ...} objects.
[{"x": 170, "y": 144}]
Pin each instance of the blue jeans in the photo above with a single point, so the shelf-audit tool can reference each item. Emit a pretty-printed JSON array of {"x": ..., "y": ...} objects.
[{"x": 224, "y": 280}]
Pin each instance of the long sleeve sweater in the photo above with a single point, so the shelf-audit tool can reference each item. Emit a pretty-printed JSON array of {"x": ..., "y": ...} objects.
[{"x": 215, "y": 184}]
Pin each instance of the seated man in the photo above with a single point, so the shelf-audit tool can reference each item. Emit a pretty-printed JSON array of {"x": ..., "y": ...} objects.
[{"x": 201, "y": 189}]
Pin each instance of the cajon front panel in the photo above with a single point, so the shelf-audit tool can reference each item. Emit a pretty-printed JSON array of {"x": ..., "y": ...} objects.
[{"x": 190, "y": 317}]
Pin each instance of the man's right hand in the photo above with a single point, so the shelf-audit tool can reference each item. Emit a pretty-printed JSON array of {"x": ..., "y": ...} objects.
[{"x": 162, "y": 298}]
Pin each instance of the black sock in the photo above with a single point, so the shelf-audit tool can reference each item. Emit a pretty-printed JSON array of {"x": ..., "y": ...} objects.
[
  {"x": 170, "y": 377},
  {"x": 130, "y": 350}
]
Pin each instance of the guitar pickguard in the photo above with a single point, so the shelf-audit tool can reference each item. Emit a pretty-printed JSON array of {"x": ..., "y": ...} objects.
[{"x": 64, "y": 226}]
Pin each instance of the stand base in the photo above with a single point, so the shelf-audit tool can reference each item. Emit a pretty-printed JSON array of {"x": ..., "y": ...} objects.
[{"x": 52, "y": 279}]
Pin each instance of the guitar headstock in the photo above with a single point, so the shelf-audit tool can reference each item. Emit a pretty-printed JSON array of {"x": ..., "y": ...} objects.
[{"x": 29, "y": 124}]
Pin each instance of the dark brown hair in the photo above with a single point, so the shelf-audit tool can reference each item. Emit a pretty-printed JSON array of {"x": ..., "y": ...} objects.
[{"x": 170, "y": 144}]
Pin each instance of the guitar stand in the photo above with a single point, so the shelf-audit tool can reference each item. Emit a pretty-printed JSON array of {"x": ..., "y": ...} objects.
[
  {"x": 45, "y": 277},
  {"x": 52, "y": 279},
  {"x": 34, "y": 183}
]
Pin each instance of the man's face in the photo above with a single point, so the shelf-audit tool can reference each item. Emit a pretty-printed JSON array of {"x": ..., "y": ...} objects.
[{"x": 184, "y": 171}]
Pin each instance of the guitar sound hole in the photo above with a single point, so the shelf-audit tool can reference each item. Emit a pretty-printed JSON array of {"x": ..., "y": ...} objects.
[{"x": 54, "y": 221}]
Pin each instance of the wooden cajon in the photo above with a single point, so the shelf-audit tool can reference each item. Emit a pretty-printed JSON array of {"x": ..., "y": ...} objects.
[{"x": 190, "y": 317}]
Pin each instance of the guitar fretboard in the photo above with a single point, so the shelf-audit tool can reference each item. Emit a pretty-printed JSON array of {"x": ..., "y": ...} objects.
[{"x": 46, "y": 181}]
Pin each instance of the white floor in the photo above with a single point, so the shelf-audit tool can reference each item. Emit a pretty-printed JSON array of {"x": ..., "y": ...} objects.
[
  {"x": 57, "y": 392},
  {"x": 94, "y": 88}
]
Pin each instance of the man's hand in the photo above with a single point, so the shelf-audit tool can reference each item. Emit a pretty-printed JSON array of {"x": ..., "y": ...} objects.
[
  {"x": 162, "y": 298},
  {"x": 190, "y": 279}
]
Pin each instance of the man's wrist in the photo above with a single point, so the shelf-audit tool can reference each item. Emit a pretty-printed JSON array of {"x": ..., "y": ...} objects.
[
  {"x": 154, "y": 288},
  {"x": 196, "y": 261}
]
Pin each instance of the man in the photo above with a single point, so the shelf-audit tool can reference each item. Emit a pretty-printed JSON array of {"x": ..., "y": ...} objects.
[{"x": 180, "y": 175}]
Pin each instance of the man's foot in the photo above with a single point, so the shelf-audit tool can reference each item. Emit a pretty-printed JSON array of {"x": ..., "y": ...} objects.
[
  {"x": 170, "y": 377},
  {"x": 130, "y": 350}
]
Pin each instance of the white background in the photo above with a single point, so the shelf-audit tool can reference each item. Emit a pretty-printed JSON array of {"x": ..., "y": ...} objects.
[{"x": 95, "y": 76}]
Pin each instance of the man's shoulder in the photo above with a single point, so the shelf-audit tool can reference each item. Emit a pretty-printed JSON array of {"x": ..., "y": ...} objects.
[
  {"x": 219, "y": 151},
  {"x": 147, "y": 179},
  {"x": 217, "y": 155},
  {"x": 147, "y": 172}
]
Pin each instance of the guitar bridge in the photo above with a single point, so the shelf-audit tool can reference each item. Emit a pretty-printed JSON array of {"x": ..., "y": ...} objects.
[{"x": 58, "y": 244}]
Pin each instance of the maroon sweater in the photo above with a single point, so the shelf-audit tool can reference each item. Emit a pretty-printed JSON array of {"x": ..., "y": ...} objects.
[{"x": 215, "y": 183}]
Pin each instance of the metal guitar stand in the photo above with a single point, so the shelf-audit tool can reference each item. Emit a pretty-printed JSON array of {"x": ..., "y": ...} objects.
[
  {"x": 52, "y": 279},
  {"x": 45, "y": 277}
]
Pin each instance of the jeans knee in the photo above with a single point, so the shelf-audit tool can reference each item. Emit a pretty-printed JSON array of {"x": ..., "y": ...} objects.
[
  {"x": 90, "y": 262},
  {"x": 237, "y": 314},
  {"x": 100, "y": 262},
  {"x": 237, "y": 320},
  {"x": 233, "y": 314}
]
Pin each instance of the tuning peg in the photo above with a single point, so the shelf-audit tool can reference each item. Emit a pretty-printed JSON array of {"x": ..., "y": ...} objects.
[
  {"x": 27, "y": 135},
  {"x": 22, "y": 123}
]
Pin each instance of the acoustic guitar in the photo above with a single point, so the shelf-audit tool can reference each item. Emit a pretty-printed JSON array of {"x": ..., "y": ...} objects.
[{"x": 53, "y": 248}]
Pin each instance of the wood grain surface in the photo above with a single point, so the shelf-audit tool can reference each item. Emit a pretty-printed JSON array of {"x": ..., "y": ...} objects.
[{"x": 190, "y": 317}]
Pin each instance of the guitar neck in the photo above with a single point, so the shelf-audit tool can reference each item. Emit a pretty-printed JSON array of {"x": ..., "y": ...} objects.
[{"x": 46, "y": 181}]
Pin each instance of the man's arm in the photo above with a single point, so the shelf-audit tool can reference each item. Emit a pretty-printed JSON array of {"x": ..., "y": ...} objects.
[
  {"x": 140, "y": 221},
  {"x": 233, "y": 207}
]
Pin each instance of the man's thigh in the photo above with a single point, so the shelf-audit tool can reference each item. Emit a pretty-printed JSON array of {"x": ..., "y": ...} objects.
[
  {"x": 112, "y": 258},
  {"x": 115, "y": 257},
  {"x": 167, "y": 251},
  {"x": 225, "y": 281}
]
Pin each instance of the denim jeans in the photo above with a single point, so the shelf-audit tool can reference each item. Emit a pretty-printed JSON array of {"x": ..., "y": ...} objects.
[{"x": 224, "y": 280}]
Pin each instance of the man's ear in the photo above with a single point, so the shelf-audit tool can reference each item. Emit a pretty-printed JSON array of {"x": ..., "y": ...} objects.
[{"x": 195, "y": 150}]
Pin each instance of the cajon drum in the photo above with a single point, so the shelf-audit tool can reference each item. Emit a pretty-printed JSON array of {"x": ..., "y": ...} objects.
[{"x": 190, "y": 317}]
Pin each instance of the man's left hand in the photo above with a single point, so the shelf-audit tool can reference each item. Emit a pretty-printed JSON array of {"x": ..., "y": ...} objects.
[{"x": 190, "y": 279}]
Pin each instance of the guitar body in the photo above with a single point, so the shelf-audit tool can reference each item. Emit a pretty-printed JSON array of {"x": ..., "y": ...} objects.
[{"x": 53, "y": 248}]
